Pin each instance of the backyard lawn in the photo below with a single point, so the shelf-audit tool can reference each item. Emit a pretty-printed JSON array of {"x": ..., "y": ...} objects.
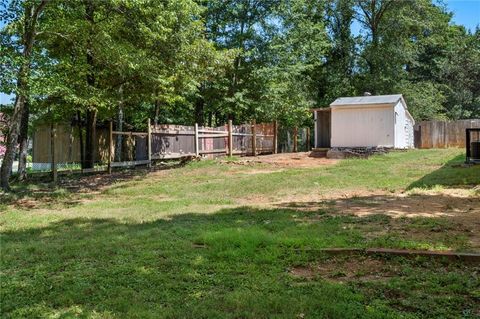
[{"x": 239, "y": 239}]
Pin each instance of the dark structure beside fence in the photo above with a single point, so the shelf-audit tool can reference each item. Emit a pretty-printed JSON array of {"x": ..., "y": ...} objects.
[
  {"x": 442, "y": 134},
  {"x": 472, "y": 145}
]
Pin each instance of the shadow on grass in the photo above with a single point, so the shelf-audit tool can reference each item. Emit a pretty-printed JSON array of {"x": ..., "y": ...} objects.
[
  {"x": 452, "y": 173},
  {"x": 233, "y": 263},
  {"x": 411, "y": 206},
  {"x": 38, "y": 190}
]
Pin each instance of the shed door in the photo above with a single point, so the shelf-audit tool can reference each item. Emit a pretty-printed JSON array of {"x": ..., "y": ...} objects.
[{"x": 324, "y": 123}]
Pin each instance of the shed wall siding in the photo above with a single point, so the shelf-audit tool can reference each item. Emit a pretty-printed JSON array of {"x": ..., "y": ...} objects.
[
  {"x": 362, "y": 127},
  {"x": 410, "y": 136},
  {"x": 400, "y": 123},
  {"x": 403, "y": 128}
]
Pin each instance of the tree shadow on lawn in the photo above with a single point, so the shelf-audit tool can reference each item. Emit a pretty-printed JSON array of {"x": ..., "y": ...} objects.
[
  {"x": 234, "y": 263},
  {"x": 400, "y": 206},
  {"x": 451, "y": 174},
  {"x": 450, "y": 221},
  {"x": 38, "y": 190}
]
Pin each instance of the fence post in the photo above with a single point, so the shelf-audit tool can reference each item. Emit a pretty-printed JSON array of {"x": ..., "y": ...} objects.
[
  {"x": 230, "y": 138},
  {"x": 197, "y": 151},
  {"x": 149, "y": 143},
  {"x": 295, "y": 137},
  {"x": 110, "y": 146},
  {"x": 131, "y": 156},
  {"x": 53, "y": 136},
  {"x": 254, "y": 138},
  {"x": 467, "y": 142},
  {"x": 275, "y": 137},
  {"x": 308, "y": 139}
]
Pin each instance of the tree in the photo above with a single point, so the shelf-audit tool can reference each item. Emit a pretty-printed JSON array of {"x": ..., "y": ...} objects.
[
  {"x": 336, "y": 77},
  {"x": 241, "y": 25},
  {"x": 292, "y": 72},
  {"x": 26, "y": 14}
]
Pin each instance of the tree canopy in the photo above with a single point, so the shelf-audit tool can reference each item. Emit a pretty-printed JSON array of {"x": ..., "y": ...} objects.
[{"x": 207, "y": 61}]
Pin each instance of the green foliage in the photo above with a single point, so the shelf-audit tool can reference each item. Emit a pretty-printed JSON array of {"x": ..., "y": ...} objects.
[
  {"x": 208, "y": 61},
  {"x": 182, "y": 244},
  {"x": 425, "y": 99}
]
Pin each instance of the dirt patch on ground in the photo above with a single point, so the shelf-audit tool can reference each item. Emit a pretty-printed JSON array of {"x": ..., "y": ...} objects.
[
  {"x": 412, "y": 206},
  {"x": 456, "y": 204},
  {"x": 261, "y": 171},
  {"x": 300, "y": 159},
  {"x": 456, "y": 212},
  {"x": 358, "y": 268}
]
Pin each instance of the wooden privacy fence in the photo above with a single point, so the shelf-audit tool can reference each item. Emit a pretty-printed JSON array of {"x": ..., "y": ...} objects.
[
  {"x": 168, "y": 141},
  {"x": 165, "y": 141},
  {"x": 442, "y": 134},
  {"x": 66, "y": 151}
]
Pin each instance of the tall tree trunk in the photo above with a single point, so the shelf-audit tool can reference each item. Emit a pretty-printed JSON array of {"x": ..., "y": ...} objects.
[
  {"x": 119, "y": 128},
  {"x": 210, "y": 119},
  {"x": 91, "y": 114},
  {"x": 23, "y": 141},
  {"x": 28, "y": 38},
  {"x": 157, "y": 112},
  {"x": 80, "y": 139},
  {"x": 12, "y": 141},
  {"x": 90, "y": 138},
  {"x": 199, "y": 109}
]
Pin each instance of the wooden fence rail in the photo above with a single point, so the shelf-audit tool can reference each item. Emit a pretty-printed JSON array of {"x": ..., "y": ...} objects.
[{"x": 176, "y": 141}]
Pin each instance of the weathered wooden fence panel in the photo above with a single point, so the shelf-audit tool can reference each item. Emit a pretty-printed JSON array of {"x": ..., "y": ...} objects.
[
  {"x": 442, "y": 134},
  {"x": 242, "y": 139},
  {"x": 172, "y": 141},
  {"x": 166, "y": 141},
  {"x": 213, "y": 140},
  {"x": 264, "y": 134},
  {"x": 67, "y": 146}
]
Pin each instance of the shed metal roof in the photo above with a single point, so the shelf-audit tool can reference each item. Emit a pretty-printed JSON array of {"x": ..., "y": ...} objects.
[{"x": 364, "y": 100}]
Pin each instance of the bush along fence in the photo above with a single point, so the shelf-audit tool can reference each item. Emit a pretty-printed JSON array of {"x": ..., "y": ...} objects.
[{"x": 58, "y": 147}]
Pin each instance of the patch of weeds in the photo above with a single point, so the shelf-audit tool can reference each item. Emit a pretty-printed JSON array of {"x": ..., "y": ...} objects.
[
  {"x": 475, "y": 191},
  {"x": 229, "y": 159},
  {"x": 425, "y": 190},
  {"x": 430, "y": 224},
  {"x": 374, "y": 218},
  {"x": 428, "y": 288}
]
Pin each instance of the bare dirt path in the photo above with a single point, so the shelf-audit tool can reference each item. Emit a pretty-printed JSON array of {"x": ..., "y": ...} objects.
[{"x": 292, "y": 160}]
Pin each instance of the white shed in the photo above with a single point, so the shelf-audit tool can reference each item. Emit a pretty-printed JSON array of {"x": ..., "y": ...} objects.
[{"x": 365, "y": 121}]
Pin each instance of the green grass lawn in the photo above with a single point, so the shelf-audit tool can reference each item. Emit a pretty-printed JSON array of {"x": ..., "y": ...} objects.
[{"x": 199, "y": 242}]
